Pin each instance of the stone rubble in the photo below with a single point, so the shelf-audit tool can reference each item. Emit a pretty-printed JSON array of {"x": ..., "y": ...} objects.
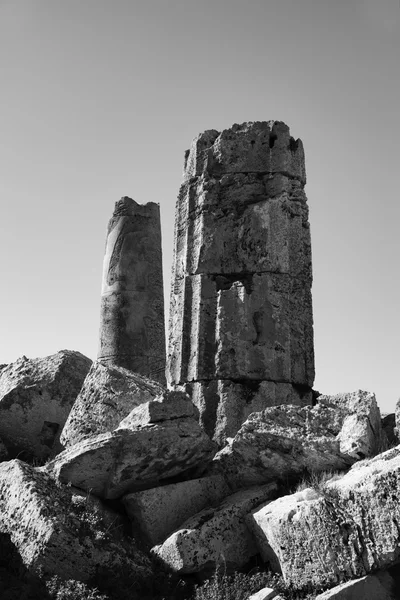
[
  {"x": 159, "y": 511},
  {"x": 137, "y": 454},
  {"x": 215, "y": 535},
  {"x": 282, "y": 443}
]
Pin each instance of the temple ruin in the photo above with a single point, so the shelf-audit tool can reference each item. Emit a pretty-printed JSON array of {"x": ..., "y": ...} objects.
[
  {"x": 132, "y": 330},
  {"x": 241, "y": 325}
]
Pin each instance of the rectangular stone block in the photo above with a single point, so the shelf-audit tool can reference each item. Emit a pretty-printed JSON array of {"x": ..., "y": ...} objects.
[
  {"x": 160, "y": 511},
  {"x": 236, "y": 227}
]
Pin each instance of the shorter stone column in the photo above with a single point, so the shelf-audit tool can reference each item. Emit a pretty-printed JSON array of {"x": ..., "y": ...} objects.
[{"x": 132, "y": 328}]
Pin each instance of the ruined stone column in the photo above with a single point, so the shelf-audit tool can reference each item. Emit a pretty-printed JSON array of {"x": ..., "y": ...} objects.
[
  {"x": 132, "y": 329},
  {"x": 241, "y": 326}
]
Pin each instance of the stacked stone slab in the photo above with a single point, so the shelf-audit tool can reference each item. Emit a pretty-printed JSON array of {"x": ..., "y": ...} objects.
[
  {"x": 132, "y": 329},
  {"x": 241, "y": 326}
]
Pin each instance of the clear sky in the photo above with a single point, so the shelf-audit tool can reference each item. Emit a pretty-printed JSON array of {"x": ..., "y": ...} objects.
[{"x": 100, "y": 98}]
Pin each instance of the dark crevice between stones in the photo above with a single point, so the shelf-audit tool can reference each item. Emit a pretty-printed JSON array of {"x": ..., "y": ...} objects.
[
  {"x": 225, "y": 282},
  {"x": 302, "y": 389}
]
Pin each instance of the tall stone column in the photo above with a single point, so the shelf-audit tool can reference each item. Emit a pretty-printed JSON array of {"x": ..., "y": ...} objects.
[
  {"x": 132, "y": 329},
  {"x": 241, "y": 325}
]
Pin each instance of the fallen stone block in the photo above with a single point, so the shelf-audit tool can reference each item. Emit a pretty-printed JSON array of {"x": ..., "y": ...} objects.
[
  {"x": 108, "y": 395},
  {"x": 215, "y": 535},
  {"x": 281, "y": 443},
  {"x": 160, "y": 511},
  {"x": 36, "y": 396},
  {"x": 369, "y": 587},
  {"x": 345, "y": 530},
  {"x": 58, "y": 530},
  {"x": 171, "y": 405},
  {"x": 133, "y": 458}
]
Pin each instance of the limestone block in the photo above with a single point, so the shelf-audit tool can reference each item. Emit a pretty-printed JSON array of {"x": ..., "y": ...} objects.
[
  {"x": 235, "y": 227},
  {"x": 266, "y": 593},
  {"x": 282, "y": 442},
  {"x": 171, "y": 405},
  {"x": 243, "y": 327},
  {"x": 132, "y": 331},
  {"x": 36, "y": 396},
  {"x": 108, "y": 395},
  {"x": 112, "y": 464},
  {"x": 225, "y": 405},
  {"x": 262, "y": 147},
  {"x": 365, "y": 588},
  {"x": 56, "y": 529},
  {"x": 160, "y": 511},
  {"x": 215, "y": 535},
  {"x": 347, "y": 530}
]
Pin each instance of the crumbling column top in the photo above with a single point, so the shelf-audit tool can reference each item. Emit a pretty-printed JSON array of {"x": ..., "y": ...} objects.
[{"x": 251, "y": 147}]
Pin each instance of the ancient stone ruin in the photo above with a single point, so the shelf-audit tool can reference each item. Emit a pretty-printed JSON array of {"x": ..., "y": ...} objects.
[
  {"x": 241, "y": 326},
  {"x": 113, "y": 486},
  {"x": 132, "y": 331}
]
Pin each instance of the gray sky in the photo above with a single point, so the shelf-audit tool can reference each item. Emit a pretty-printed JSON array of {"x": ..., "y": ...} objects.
[{"x": 99, "y": 99}]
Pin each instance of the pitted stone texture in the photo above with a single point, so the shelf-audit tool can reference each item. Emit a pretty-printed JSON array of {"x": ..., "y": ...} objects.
[
  {"x": 59, "y": 531},
  {"x": 348, "y": 530},
  {"x": 108, "y": 395},
  {"x": 160, "y": 511},
  {"x": 281, "y": 443},
  {"x": 215, "y": 535},
  {"x": 171, "y": 405},
  {"x": 224, "y": 405},
  {"x": 237, "y": 228},
  {"x": 260, "y": 147},
  {"x": 36, "y": 396},
  {"x": 112, "y": 464},
  {"x": 370, "y": 587},
  {"x": 256, "y": 327},
  {"x": 132, "y": 330}
]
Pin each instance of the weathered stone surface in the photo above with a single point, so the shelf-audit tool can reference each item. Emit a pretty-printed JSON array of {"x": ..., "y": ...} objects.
[
  {"x": 132, "y": 330},
  {"x": 369, "y": 587},
  {"x": 282, "y": 442},
  {"x": 247, "y": 328},
  {"x": 397, "y": 419},
  {"x": 171, "y": 405},
  {"x": 215, "y": 535},
  {"x": 260, "y": 147},
  {"x": 36, "y": 396},
  {"x": 58, "y": 530},
  {"x": 132, "y": 458},
  {"x": 347, "y": 530},
  {"x": 108, "y": 395},
  {"x": 224, "y": 405},
  {"x": 160, "y": 511},
  {"x": 241, "y": 305}
]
